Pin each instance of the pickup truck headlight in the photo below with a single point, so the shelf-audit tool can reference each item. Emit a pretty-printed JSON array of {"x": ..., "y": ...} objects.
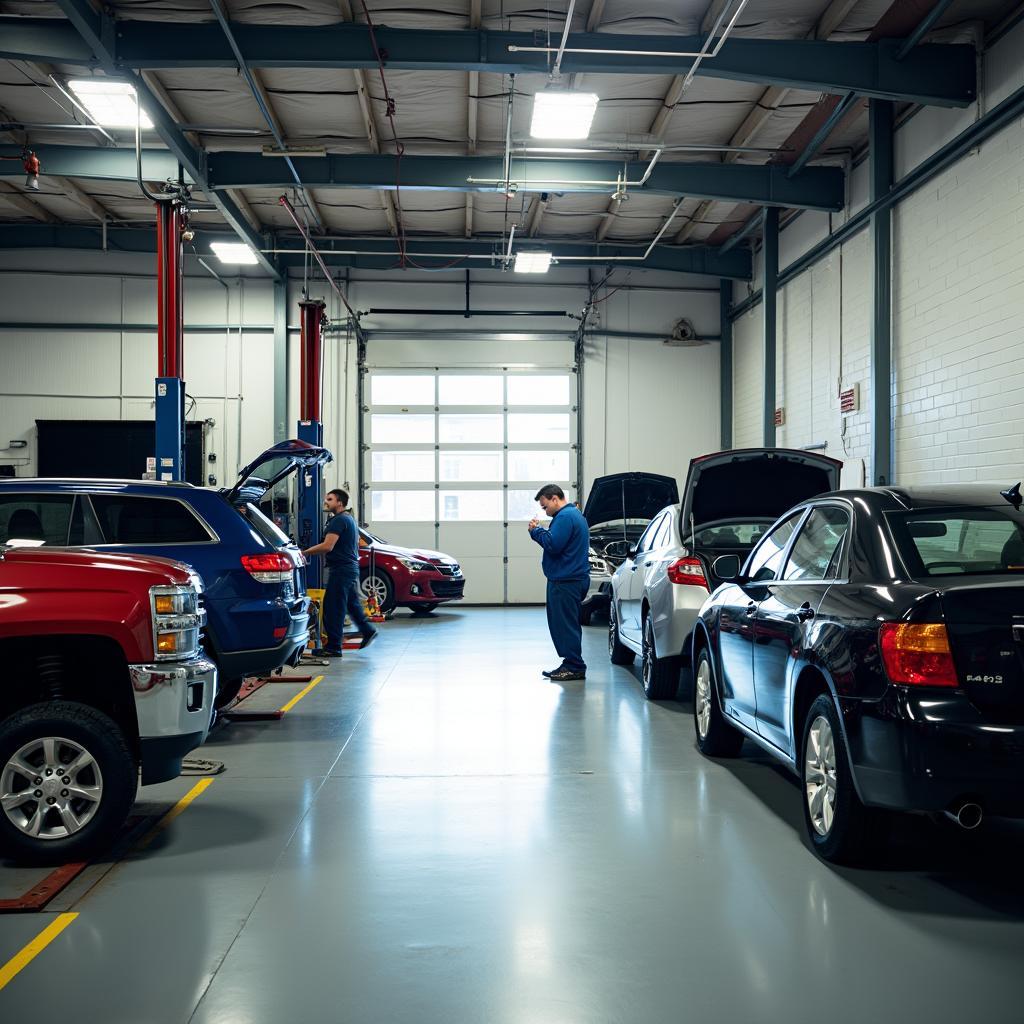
[{"x": 177, "y": 622}]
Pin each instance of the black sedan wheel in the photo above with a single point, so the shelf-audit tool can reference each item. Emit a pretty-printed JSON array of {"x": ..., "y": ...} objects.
[
  {"x": 617, "y": 651},
  {"x": 67, "y": 782},
  {"x": 660, "y": 675},
  {"x": 715, "y": 736},
  {"x": 839, "y": 826}
]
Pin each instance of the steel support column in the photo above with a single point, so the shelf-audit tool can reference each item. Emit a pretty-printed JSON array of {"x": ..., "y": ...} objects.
[
  {"x": 170, "y": 385},
  {"x": 280, "y": 361},
  {"x": 309, "y": 497},
  {"x": 881, "y": 156},
  {"x": 771, "y": 282},
  {"x": 725, "y": 363}
]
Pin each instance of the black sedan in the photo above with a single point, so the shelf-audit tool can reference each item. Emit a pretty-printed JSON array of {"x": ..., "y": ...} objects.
[{"x": 874, "y": 643}]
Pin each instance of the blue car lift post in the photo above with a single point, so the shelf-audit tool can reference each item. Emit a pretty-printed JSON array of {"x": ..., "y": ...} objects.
[{"x": 170, "y": 386}]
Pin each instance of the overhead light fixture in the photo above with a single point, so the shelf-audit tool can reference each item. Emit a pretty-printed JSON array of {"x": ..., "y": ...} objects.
[
  {"x": 532, "y": 262},
  {"x": 561, "y": 114},
  {"x": 235, "y": 253},
  {"x": 111, "y": 104}
]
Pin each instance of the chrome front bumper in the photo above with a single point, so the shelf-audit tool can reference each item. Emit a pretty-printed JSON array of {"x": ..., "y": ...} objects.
[{"x": 174, "y": 698}]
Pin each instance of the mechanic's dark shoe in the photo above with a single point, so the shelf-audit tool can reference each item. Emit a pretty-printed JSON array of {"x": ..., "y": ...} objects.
[
  {"x": 567, "y": 675},
  {"x": 326, "y": 652},
  {"x": 368, "y": 639},
  {"x": 548, "y": 673}
]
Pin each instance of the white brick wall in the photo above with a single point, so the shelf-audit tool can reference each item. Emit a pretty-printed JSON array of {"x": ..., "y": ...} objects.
[{"x": 958, "y": 299}]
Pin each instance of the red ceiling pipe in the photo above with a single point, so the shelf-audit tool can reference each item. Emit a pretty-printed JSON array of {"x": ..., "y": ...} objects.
[
  {"x": 311, "y": 365},
  {"x": 170, "y": 223}
]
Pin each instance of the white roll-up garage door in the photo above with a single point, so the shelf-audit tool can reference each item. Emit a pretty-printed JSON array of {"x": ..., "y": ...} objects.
[{"x": 454, "y": 458}]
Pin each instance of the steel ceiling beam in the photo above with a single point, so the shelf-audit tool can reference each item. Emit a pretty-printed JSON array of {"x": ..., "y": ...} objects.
[
  {"x": 382, "y": 254},
  {"x": 814, "y": 188},
  {"x": 100, "y": 34},
  {"x": 944, "y": 75}
]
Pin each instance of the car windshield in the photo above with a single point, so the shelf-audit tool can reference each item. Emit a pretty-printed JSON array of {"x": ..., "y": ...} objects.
[
  {"x": 961, "y": 541},
  {"x": 732, "y": 535},
  {"x": 370, "y": 538}
]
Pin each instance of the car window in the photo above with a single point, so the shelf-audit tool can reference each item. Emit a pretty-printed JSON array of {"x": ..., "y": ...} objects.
[
  {"x": 731, "y": 535},
  {"x": 662, "y": 538},
  {"x": 265, "y": 527},
  {"x": 814, "y": 550},
  {"x": 129, "y": 519},
  {"x": 767, "y": 557},
  {"x": 43, "y": 518},
  {"x": 961, "y": 541},
  {"x": 646, "y": 542}
]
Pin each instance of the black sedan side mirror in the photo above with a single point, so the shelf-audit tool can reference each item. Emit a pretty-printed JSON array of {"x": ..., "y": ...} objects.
[
  {"x": 631, "y": 553},
  {"x": 727, "y": 567}
]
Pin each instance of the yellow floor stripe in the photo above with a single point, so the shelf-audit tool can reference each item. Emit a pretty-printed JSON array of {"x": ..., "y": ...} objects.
[
  {"x": 295, "y": 700},
  {"x": 198, "y": 788},
  {"x": 34, "y": 948}
]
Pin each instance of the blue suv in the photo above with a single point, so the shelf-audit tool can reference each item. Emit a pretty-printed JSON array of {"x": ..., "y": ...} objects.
[{"x": 254, "y": 576}]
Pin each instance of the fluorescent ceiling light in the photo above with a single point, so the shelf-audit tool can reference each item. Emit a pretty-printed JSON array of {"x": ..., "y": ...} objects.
[
  {"x": 560, "y": 114},
  {"x": 233, "y": 252},
  {"x": 532, "y": 262},
  {"x": 111, "y": 104}
]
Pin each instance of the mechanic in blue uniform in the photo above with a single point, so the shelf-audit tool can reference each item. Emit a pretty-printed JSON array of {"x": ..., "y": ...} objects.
[
  {"x": 340, "y": 548},
  {"x": 566, "y": 564}
]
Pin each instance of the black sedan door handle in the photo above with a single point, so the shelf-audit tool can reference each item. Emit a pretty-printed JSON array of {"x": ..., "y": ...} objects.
[
  {"x": 647, "y": 565},
  {"x": 805, "y": 612},
  {"x": 752, "y": 607}
]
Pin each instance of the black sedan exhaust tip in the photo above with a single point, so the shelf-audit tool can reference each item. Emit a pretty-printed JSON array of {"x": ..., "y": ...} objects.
[{"x": 967, "y": 815}]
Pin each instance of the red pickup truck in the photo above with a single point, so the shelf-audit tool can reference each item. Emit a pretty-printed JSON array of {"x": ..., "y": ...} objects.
[{"x": 103, "y": 675}]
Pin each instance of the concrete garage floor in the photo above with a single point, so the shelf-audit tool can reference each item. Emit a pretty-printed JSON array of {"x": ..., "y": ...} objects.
[{"x": 437, "y": 834}]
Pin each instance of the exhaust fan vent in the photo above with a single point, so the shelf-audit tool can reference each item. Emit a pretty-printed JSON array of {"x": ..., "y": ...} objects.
[{"x": 684, "y": 335}]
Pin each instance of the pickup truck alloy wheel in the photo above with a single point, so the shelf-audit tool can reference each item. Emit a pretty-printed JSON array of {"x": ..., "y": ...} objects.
[
  {"x": 820, "y": 775},
  {"x": 67, "y": 782},
  {"x": 51, "y": 788}
]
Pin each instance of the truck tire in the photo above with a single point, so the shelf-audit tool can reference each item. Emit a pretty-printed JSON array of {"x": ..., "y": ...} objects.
[{"x": 77, "y": 777}]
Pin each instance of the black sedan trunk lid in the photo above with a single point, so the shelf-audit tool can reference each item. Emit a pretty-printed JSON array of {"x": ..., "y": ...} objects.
[{"x": 985, "y": 622}]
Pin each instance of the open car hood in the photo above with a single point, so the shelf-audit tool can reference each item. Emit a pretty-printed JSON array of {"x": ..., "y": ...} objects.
[
  {"x": 754, "y": 483},
  {"x": 625, "y": 496},
  {"x": 273, "y": 466}
]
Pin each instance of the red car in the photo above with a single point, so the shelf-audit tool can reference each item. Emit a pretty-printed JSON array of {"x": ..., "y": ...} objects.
[{"x": 411, "y": 578}]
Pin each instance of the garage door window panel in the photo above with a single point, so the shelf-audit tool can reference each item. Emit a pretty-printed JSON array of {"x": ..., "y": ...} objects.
[
  {"x": 403, "y": 506},
  {"x": 538, "y": 390},
  {"x": 539, "y": 428},
  {"x": 541, "y": 466},
  {"x": 465, "y": 389},
  {"x": 470, "y": 467},
  {"x": 402, "y": 428},
  {"x": 402, "y": 467},
  {"x": 387, "y": 389},
  {"x": 470, "y": 428},
  {"x": 471, "y": 506}
]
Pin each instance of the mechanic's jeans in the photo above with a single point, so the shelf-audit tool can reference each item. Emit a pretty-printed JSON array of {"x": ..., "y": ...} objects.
[
  {"x": 341, "y": 595},
  {"x": 565, "y": 597}
]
